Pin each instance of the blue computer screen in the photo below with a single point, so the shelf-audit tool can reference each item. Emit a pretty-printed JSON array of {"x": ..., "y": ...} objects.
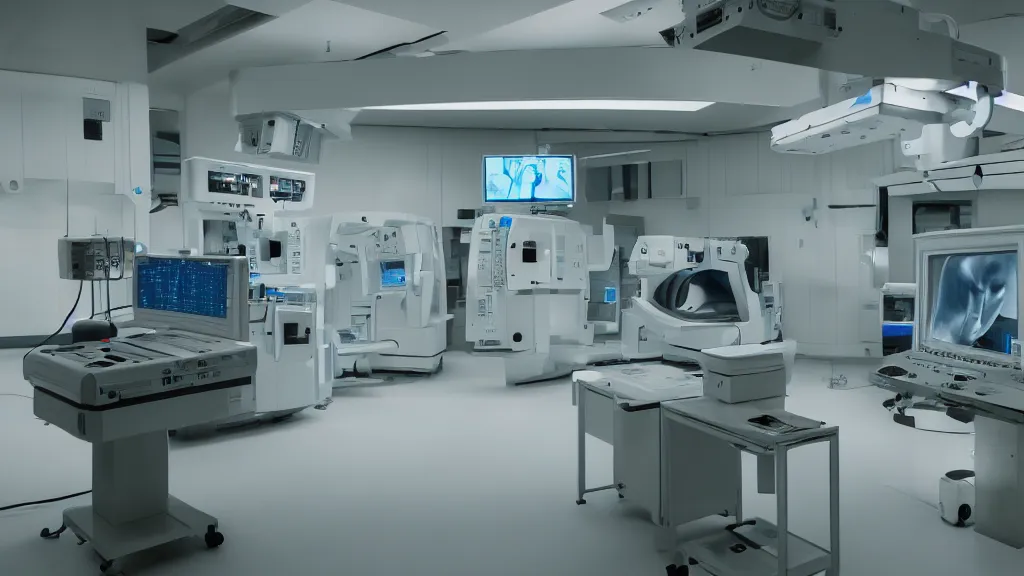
[
  {"x": 183, "y": 286},
  {"x": 542, "y": 178},
  {"x": 392, "y": 274}
]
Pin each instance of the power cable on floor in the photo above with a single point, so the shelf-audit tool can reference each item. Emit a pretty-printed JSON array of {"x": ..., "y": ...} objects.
[{"x": 47, "y": 501}]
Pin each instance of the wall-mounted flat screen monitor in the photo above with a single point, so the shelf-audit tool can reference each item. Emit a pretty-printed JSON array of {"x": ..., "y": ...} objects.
[
  {"x": 530, "y": 179},
  {"x": 973, "y": 299},
  {"x": 392, "y": 274}
]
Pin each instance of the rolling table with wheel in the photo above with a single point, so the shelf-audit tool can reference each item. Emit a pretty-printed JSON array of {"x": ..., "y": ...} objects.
[
  {"x": 619, "y": 405},
  {"x": 748, "y": 547}
]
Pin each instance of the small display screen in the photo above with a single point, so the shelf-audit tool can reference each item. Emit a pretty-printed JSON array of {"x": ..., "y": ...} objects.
[
  {"x": 974, "y": 299},
  {"x": 609, "y": 295},
  {"x": 242, "y": 184},
  {"x": 287, "y": 189},
  {"x": 392, "y": 274},
  {"x": 529, "y": 178},
  {"x": 182, "y": 286}
]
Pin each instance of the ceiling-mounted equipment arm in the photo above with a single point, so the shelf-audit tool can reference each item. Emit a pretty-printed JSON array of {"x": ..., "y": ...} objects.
[{"x": 876, "y": 39}]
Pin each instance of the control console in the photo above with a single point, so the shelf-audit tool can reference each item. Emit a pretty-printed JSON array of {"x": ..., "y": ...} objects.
[
  {"x": 989, "y": 390},
  {"x": 140, "y": 368}
]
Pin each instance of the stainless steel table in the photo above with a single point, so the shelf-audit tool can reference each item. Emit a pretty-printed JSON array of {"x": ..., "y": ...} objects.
[{"x": 719, "y": 422}]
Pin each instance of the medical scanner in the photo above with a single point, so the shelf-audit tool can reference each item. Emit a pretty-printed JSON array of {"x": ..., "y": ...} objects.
[
  {"x": 186, "y": 364},
  {"x": 237, "y": 209},
  {"x": 696, "y": 293},
  {"x": 527, "y": 294},
  {"x": 905, "y": 73},
  {"x": 966, "y": 360},
  {"x": 385, "y": 307}
]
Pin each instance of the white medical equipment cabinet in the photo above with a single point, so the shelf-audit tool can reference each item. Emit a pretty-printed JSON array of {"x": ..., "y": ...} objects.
[{"x": 187, "y": 364}]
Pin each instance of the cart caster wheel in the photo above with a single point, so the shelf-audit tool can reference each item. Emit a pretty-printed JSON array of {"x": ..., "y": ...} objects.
[
  {"x": 108, "y": 568},
  {"x": 581, "y": 502},
  {"x": 673, "y": 570},
  {"x": 212, "y": 537},
  {"x": 621, "y": 496}
]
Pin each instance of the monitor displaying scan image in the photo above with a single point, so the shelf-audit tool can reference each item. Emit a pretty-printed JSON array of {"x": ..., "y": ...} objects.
[
  {"x": 392, "y": 274},
  {"x": 537, "y": 179},
  {"x": 973, "y": 299}
]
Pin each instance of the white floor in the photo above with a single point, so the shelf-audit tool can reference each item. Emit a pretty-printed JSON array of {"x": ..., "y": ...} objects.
[{"x": 458, "y": 475}]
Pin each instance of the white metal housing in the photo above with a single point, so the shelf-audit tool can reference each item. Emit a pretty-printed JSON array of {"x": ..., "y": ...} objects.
[
  {"x": 874, "y": 39},
  {"x": 368, "y": 324}
]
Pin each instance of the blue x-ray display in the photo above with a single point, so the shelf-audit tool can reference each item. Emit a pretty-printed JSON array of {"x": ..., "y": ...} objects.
[
  {"x": 392, "y": 274},
  {"x": 543, "y": 178},
  {"x": 974, "y": 299},
  {"x": 182, "y": 286}
]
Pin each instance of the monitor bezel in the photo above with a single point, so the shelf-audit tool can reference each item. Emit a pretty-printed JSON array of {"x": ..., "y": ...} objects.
[
  {"x": 483, "y": 179},
  {"x": 952, "y": 242},
  {"x": 234, "y": 326}
]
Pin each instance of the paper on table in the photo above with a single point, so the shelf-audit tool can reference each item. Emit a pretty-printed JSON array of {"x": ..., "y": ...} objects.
[{"x": 787, "y": 422}]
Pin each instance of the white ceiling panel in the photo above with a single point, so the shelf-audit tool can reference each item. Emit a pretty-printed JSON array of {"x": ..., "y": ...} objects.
[
  {"x": 577, "y": 24},
  {"x": 300, "y": 36},
  {"x": 172, "y": 16},
  {"x": 968, "y": 11},
  {"x": 458, "y": 17},
  {"x": 717, "y": 118}
]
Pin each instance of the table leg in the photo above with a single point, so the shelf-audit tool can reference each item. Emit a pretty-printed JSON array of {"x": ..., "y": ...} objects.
[
  {"x": 581, "y": 448},
  {"x": 665, "y": 536},
  {"x": 782, "y": 504},
  {"x": 833, "y": 444},
  {"x": 739, "y": 501}
]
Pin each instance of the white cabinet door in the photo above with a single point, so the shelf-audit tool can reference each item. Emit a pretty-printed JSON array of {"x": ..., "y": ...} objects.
[
  {"x": 667, "y": 179},
  {"x": 11, "y": 160},
  {"x": 44, "y": 137}
]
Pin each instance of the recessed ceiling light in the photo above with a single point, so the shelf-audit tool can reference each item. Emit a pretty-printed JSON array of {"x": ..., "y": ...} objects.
[{"x": 632, "y": 105}]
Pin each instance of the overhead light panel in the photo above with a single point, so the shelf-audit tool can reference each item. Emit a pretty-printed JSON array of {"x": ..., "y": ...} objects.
[
  {"x": 626, "y": 105},
  {"x": 615, "y": 154}
]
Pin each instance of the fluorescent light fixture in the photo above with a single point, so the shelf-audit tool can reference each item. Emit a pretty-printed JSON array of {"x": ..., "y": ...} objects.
[
  {"x": 614, "y": 154},
  {"x": 1006, "y": 99},
  {"x": 632, "y": 105}
]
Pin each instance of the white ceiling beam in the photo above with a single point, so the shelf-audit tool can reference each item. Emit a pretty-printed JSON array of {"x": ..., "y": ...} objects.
[
  {"x": 608, "y": 73},
  {"x": 606, "y": 136}
]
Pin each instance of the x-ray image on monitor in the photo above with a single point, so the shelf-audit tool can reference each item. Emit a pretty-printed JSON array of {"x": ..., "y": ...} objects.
[
  {"x": 392, "y": 274},
  {"x": 974, "y": 299},
  {"x": 542, "y": 178}
]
